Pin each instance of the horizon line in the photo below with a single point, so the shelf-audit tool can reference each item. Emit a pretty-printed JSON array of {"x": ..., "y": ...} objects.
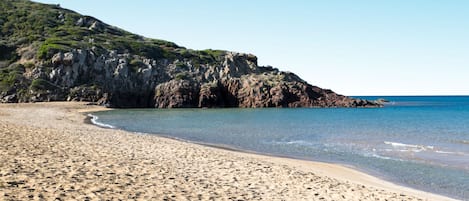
[{"x": 410, "y": 95}]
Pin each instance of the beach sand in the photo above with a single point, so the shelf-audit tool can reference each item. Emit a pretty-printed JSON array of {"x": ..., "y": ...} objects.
[{"x": 48, "y": 152}]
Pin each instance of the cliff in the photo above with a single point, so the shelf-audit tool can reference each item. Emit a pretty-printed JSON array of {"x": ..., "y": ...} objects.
[{"x": 48, "y": 53}]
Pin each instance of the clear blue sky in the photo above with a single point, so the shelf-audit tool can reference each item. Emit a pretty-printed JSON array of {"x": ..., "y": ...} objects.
[{"x": 363, "y": 47}]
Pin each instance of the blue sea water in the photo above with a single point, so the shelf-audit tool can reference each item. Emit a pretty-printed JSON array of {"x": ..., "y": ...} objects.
[{"x": 421, "y": 141}]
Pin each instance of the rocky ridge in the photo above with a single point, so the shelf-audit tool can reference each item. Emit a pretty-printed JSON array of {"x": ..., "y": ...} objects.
[{"x": 138, "y": 72}]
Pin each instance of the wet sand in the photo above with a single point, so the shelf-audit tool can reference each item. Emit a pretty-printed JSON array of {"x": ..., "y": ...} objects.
[{"x": 48, "y": 152}]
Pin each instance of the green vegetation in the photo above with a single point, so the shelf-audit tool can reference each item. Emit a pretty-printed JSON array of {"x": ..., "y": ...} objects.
[
  {"x": 181, "y": 76},
  {"x": 181, "y": 65},
  {"x": 35, "y": 32},
  {"x": 7, "y": 53},
  {"x": 23, "y": 22},
  {"x": 10, "y": 76},
  {"x": 7, "y": 80},
  {"x": 135, "y": 64},
  {"x": 41, "y": 85},
  {"x": 212, "y": 53},
  {"x": 209, "y": 55},
  {"x": 50, "y": 47}
]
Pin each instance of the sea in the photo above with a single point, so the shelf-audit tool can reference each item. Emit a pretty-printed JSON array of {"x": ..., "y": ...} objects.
[{"x": 417, "y": 141}]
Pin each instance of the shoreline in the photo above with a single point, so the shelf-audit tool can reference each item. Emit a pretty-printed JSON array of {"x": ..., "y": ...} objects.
[
  {"x": 345, "y": 167},
  {"x": 333, "y": 174},
  {"x": 279, "y": 157}
]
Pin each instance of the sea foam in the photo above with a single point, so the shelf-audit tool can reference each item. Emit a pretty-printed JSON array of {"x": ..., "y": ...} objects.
[
  {"x": 410, "y": 147},
  {"x": 94, "y": 120}
]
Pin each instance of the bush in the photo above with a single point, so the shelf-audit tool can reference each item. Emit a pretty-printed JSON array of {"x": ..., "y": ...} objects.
[
  {"x": 10, "y": 76},
  {"x": 181, "y": 65},
  {"x": 41, "y": 84},
  {"x": 181, "y": 76},
  {"x": 7, "y": 52},
  {"x": 135, "y": 64},
  {"x": 213, "y": 53},
  {"x": 48, "y": 49}
]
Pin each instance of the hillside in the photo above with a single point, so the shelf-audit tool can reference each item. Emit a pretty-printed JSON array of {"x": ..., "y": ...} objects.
[{"x": 48, "y": 53}]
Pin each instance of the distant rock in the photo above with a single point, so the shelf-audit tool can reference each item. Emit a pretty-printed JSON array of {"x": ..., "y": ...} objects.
[{"x": 381, "y": 101}]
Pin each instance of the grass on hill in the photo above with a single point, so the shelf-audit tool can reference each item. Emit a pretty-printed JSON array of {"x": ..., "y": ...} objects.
[{"x": 23, "y": 22}]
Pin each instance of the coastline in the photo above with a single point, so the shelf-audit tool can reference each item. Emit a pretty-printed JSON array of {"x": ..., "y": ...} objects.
[{"x": 83, "y": 156}]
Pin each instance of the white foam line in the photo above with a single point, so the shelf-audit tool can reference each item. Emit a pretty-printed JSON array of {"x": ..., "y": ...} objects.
[
  {"x": 381, "y": 157},
  {"x": 445, "y": 152},
  {"x": 397, "y": 144},
  {"x": 94, "y": 120},
  {"x": 418, "y": 148},
  {"x": 449, "y": 152}
]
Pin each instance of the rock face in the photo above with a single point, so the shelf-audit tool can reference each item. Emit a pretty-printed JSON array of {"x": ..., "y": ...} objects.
[
  {"x": 236, "y": 81},
  {"x": 142, "y": 74}
]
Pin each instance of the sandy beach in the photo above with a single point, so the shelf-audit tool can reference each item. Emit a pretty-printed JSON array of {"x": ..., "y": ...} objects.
[{"x": 48, "y": 152}]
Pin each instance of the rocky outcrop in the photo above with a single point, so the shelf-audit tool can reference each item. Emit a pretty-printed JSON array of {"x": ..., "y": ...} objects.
[
  {"x": 124, "y": 80},
  {"x": 104, "y": 64}
]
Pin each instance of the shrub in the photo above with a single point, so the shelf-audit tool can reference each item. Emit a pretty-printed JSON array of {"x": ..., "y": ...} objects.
[
  {"x": 41, "y": 84},
  {"x": 181, "y": 65},
  {"x": 8, "y": 78},
  {"x": 213, "y": 53},
  {"x": 181, "y": 76},
  {"x": 135, "y": 64},
  {"x": 48, "y": 49}
]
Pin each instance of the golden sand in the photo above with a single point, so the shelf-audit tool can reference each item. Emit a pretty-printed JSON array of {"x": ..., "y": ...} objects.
[{"x": 47, "y": 152}]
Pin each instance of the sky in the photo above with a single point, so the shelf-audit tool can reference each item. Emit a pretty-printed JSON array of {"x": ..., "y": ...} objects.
[{"x": 362, "y": 47}]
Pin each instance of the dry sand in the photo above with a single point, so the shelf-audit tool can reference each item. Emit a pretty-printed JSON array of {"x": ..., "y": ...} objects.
[{"x": 48, "y": 152}]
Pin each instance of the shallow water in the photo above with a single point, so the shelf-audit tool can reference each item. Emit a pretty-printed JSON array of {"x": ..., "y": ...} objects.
[{"x": 421, "y": 142}]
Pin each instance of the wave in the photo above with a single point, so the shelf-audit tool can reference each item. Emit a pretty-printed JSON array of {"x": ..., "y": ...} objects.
[
  {"x": 419, "y": 148},
  {"x": 94, "y": 120},
  {"x": 452, "y": 153},
  {"x": 293, "y": 142},
  {"x": 410, "y": 147},
  {"x": 374, "y": 155}
]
